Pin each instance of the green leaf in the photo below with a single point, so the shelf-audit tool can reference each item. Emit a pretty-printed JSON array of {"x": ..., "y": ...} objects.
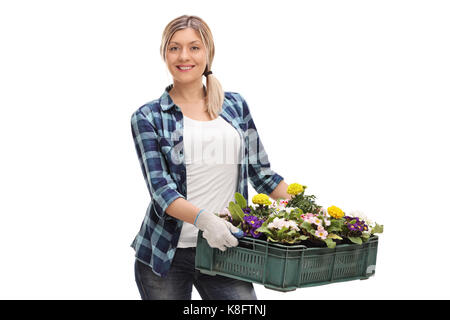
[
  {"x": 307, "y": 226},
  {"x": 263, "y": 229},
  {"x": 333, "y": 236},
  {"x": 335, "y": 225},
  {"x": 356, "y": 240},
  {"x": 330, "y": 243},
  {"x": 282, "y": 232},
  {"x": 365, "y": 236},
  {"x": 240, "y": 200},
  {"x": 378, "y": 228},
  {"x": 236, "y": 212},
  {"x": 291, "y": 233}
]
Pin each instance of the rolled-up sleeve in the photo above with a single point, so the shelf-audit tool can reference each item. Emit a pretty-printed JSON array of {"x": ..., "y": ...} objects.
[
  {"x": 161, "y": 186},
  {"x": 262, "y": 177}
]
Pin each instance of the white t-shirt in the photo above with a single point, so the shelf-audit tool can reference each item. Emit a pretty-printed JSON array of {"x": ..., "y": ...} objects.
[{"x": 212, "y": 154}]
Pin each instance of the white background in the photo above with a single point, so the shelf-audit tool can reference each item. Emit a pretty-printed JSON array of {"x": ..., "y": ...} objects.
[{"x": 349, "y": 98}]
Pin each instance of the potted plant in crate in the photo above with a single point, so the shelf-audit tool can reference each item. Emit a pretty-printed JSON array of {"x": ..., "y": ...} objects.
[{"x": 293, "y": 243}]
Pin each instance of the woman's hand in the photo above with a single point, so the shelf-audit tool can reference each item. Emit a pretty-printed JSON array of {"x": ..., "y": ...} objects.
[
  {"x": 217, "y": 231},
  {"x": 280, "y": 192}
]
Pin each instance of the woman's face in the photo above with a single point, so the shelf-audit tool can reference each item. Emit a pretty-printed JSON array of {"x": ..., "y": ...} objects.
[{"x": 186, "y": 49}]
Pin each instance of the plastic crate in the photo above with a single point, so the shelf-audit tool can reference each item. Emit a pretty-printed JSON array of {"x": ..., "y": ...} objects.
[{"x": 286, "y": 268}]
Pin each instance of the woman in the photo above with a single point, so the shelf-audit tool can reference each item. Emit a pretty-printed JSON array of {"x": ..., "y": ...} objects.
[{"x": 174, "y": 139}]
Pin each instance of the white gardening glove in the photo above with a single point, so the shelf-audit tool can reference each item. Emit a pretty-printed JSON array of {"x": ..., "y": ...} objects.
[{"x": 217, "y": 231}]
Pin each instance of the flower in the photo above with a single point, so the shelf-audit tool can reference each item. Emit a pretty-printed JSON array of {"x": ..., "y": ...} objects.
[
  {"x": 298, "y": 219},
  {"x": 321, "y": 233},
  {"x": 295, "y": 188},
  {"x": 276, "y": 206},
  {"x": 289, "y": 209},
  {"x": 362, "y": 216},
  {"x": 251, "y": 219},
  {"x": 262, "y": 199},
  {"x": 308, "y": 217},
  {"x": 278, "y": 223},
  {"x": 335, "y": 212},
  {"x": 247, "y": 210},
  {"x": 254, "y": 233},
  {"x": 355, "y": 225},
  {"x": 317, "y": 221},
  {"x": 279, "y": 204},
  {"x": 251, "y": 224}
]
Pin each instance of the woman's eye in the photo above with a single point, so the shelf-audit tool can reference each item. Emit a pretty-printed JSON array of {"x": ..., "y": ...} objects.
[{"x": 196, "y": 48}]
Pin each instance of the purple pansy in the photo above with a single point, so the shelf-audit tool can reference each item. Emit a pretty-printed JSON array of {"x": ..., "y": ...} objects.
[
  {"x": 358, "y": 225},
  {"x": 251, "y": 224}
]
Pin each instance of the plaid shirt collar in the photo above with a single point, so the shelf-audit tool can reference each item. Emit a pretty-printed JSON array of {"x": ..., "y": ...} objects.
[
  {"x": 228, "y": 112},
  {"x": 166, "y": 101}
]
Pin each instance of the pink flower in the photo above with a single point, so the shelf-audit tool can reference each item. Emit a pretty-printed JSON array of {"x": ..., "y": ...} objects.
[
  {"x": 309, "y": 217},
  {"x": 317, "y": 221},
  {"x": 321, "y": 233}
]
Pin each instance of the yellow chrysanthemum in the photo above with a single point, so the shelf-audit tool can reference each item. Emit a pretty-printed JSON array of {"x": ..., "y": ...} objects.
[
  {"x": 262, "y": 199},
  {"x": 294, "y": 189},
  {"x": 335, "y": 212}
]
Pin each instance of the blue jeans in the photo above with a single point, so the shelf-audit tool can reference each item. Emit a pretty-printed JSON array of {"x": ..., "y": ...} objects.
[{"x": 177, "y": 285}]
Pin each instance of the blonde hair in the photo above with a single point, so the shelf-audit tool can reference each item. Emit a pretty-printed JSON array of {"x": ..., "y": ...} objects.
[{"x": 214, "y": 92}]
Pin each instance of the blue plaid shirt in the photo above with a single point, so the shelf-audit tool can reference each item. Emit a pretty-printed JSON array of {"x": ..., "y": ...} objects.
[{"x": 157, "y": 129}]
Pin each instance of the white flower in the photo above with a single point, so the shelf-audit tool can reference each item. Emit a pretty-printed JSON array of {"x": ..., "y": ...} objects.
[
  {"x": 288, "y": 209},
  {"x": 292, "y": 224},
  {"x": 279, "y": 224}
]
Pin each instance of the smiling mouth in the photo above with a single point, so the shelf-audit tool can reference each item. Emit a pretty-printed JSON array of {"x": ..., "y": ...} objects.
[{"x": 187, "y": 68}]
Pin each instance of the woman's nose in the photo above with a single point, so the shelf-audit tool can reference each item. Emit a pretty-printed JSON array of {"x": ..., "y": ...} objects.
[{"x": 184, "y": 53}]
